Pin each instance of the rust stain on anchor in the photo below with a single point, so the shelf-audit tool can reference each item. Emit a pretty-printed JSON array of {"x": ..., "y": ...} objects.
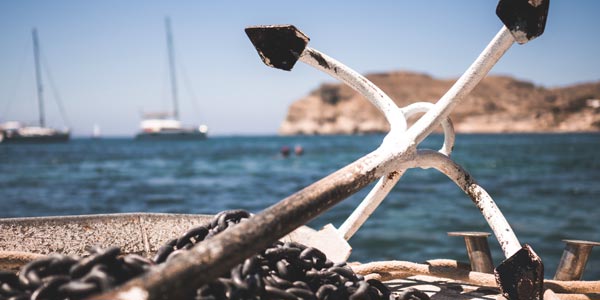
[
  {"x": 392, "y": 175},
  {"x": 322, "y": 62}
]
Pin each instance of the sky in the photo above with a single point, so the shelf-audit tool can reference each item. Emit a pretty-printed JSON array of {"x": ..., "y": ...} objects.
[{"x": 108, "y": 63}]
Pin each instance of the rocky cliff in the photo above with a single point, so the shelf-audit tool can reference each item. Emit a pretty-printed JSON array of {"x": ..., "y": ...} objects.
[{"x": 497, "y": 104}]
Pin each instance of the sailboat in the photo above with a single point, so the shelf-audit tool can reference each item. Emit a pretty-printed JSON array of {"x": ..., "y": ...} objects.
[
  {"x": 16, "y": 132},
  {"x": 166, "y": 125},
  {"x": 96, "y": 133}
]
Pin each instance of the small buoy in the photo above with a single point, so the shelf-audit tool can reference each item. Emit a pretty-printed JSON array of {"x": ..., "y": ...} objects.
[
  {"x": 298, "y": 150},
  {"x": 285, "y": 151}
]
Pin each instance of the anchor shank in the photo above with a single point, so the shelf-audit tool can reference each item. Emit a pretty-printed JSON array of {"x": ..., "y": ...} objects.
[{"x": 177, "y": 278}]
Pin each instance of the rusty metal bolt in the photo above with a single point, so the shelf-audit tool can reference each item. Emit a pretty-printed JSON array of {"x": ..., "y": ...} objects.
[
  {"x": 478, "y": 250},
  {"x": 575, "y": 256}
]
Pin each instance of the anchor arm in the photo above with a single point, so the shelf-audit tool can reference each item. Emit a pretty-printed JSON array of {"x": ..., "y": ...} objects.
[
  {"x": 361, "y": 84},
  {"x": 281, "y": 46},
  {"x": 492, "y": 214},
  {"x": 521, "y": 275}
]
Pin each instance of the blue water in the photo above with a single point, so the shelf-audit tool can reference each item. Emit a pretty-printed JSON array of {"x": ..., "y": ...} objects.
[{"x": 547, "y": 186}]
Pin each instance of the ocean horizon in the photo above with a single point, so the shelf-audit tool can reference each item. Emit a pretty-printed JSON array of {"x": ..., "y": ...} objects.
[{"x": 546, "y": 185}]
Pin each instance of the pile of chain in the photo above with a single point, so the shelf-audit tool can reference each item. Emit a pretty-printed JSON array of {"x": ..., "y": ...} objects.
[
  {"x": 58, "y": 277},
  {"x": 282, "y": 271}
]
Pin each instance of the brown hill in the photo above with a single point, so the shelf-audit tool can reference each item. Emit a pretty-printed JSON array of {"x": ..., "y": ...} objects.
[{"x": 497, "y": 104}]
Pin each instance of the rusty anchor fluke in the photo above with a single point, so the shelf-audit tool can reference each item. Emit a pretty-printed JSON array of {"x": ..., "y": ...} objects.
[
  {"x": 279, "y": 46},
  {"x": 526, "y": 19},
  {"x": 521, "y": 276}
]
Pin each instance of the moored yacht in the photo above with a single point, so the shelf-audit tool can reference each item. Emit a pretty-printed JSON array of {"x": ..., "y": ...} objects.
[
  {"x": 17, "y": 132},
  {"x": 166, "y": 125}
]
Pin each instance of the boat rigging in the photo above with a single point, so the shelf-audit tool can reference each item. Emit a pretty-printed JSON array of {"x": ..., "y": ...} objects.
[
  {"x": 167, "y": 125},
  {"x": 16, "y": 132}
]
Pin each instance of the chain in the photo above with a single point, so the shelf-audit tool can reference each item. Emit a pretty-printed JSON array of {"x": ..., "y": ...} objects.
[
  {"x": 282, "y": 271},
  {"x": 68, "y": 277}
]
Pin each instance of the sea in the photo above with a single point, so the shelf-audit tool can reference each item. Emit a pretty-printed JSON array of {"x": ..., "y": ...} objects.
[{"x": 546, "y": 185}]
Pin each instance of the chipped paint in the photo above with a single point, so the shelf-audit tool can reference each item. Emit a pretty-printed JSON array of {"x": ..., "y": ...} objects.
[
  {"x": 520, "y": 36},
  {"x": 134, "y": 293},
  {"x": 535, "y": 3},
  {"x": 320, "y": 60},
  {"x": 526, "y": 20},
  {"x": 393, "y": 175},
  {"x": 359, "y": 83},
  {"x": 490, "y": 211}
]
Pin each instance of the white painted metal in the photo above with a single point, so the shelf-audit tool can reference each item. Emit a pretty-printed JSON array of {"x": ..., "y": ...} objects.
[
  {"x": 463, "y": 86},
  {"x": 401, "y": 145},
  {"x": 449, "y": 134},
  {"x": 364, "y": 210},
  {"x": 394, "y": 116},
  {"x": 492, "y": 214},
  {"x": 396, "y": 153},
  {"x": 358, "y": 82},
  {"x": 385, "y": 184}
]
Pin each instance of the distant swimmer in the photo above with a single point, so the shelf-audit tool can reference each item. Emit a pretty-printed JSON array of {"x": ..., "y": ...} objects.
[
  {"x": 298, "y": 150},
  {"x": 285, "y": 151}
]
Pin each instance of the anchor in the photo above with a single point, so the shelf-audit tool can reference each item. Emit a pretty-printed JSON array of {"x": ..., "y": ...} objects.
[
  {"x": 519, "y": 277},
  {"x": 282, "y": 47}
]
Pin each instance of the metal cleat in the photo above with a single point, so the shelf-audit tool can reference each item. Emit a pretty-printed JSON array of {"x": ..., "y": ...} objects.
[
  {"x": 478, "y": 250},
  {"x": 574, "y": 258}
]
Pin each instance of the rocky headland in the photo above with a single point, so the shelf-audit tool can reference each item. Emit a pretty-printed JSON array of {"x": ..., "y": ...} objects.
[{"x": 499, "y": 104}]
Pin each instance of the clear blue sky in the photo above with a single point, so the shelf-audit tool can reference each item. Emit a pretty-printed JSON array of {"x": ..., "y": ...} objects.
[{"x": 108, "y": 58}]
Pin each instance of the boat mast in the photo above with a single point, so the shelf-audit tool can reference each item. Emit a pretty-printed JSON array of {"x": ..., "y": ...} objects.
[
  {"x": 38, "y": 77},
  {"x": 172, "y": 68}
]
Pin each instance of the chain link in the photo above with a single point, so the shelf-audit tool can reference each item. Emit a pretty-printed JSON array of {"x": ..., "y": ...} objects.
[
  {"x": 68, "y": 277},
  {"x": 282, "y": 271}
]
